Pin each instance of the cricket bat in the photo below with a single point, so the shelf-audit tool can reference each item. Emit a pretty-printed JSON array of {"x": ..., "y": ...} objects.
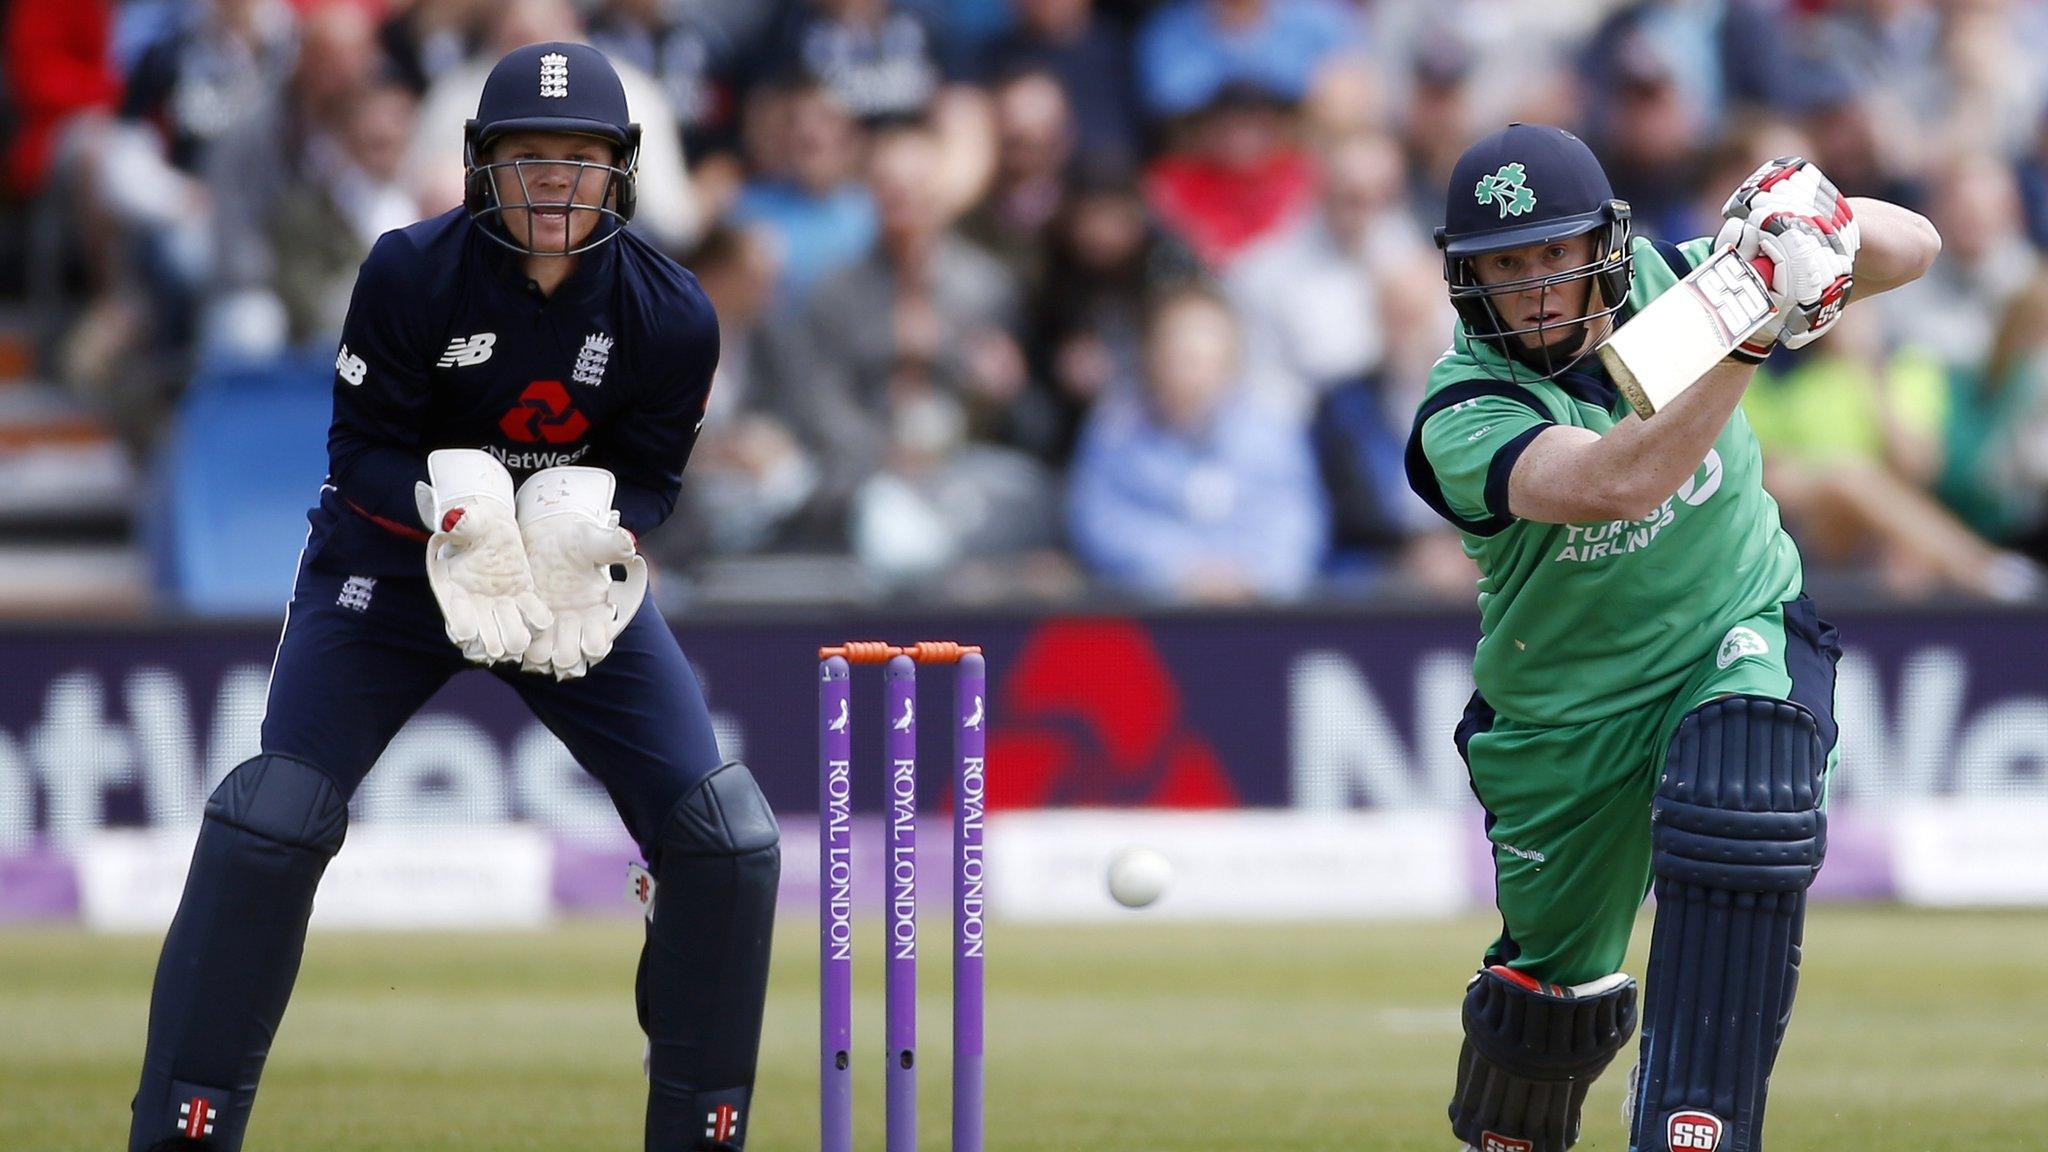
[{"x": 1676, "y": 338}]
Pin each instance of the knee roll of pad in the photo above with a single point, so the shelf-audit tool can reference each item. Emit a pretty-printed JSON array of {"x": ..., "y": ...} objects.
[
  {"x": 1737, "y": 838},
  {"x": 1738, "y": 808},
  {"x": 1531, "y": 1052},
  {"x": 284, "y": 800},
  {"x": 725, "y": 815}
]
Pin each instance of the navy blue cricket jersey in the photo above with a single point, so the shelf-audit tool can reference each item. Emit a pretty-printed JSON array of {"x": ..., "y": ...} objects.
[{"x": 449, "y": 345}]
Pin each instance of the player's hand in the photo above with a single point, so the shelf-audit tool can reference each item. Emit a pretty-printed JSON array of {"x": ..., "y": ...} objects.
[
  {"x": 572, "y": 540},
  {"x": 1811, "y": 276},
  {"x": 1795, "y": 185},
  {"x": 476, "y": 561}
]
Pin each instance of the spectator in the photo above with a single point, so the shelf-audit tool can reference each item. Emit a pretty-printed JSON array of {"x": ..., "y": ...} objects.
[
  {"x": 1243, "y": 177},
  {"x": 878, "y": 57},
  {"x": 882, "y": 61},
  {"x": 695, "y": 61},
  {"x": 56, "y": 68},
  {"x": 750, "y": 479},
  {"x": 1995, "y": 469},
  {"x": 1190, "y": 50},
  {"x": 1648, "y": 135},
  {"x": 424, "y": 38},
  {"x": 1380, "y": 531},
  {"x": 1308, "y": 297},
  {"x": 348, "y": 194},
  {"x": 301, "y": 191},
  {"x": 1985, "y": 259},
  {"x": 1185, "y": 485},
  {"x": 668, "y": 212},
  {"x": 909, "y": 352},
  {"x": 1034, "y": 142},
  {"x": 815, "y": 208},
  {"x": 218, "y": 62},
  {"x": 1438, "y": 121},
  {"x": 1090, "y": 57},
  {"x": 1105, "y": 258},
  {"x": 1851, "y": 433}
]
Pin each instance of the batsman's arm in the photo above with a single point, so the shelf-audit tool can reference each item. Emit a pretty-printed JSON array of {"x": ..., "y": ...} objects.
[
  {"x": 1571, "y": 475},
  {"x": 1899, "y": 245}
]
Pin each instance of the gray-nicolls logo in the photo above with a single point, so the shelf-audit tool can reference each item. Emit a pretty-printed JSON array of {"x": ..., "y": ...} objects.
[
  {"x": 554, "y": 76},
  {"x": 591, "y": 360},
  {"x": 355, "y": 593}
]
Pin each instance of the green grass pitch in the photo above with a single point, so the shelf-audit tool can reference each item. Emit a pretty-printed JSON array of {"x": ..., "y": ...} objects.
[{"x": 1916, "y": 1031}]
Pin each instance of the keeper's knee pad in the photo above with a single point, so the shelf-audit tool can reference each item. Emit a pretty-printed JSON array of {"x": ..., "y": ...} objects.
[
  {"x": 1737, "y": 837},
  {"x": 232, "y": 953},
  {"x": 1531, "y": 1052},
  {"x": 704, "y": 972}
]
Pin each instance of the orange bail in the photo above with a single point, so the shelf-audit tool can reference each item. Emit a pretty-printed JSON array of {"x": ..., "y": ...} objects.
[
  {"x": 940, "y": 651},
  {"x": 862, "y": 652}
]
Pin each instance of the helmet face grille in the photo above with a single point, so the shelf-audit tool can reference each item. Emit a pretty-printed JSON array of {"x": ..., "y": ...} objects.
[
  {"x": 489, "y": 210},
  {"x": 1611, "y": 271}
]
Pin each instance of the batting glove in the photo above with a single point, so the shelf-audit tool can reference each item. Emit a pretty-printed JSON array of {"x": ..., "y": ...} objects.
[
  {"x": 572, "y": 540},
  {"x": 476, "y": 561},
  {"x": 1794, "y": 185}
]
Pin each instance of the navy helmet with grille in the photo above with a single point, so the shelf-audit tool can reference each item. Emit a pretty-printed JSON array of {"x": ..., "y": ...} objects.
[
  {"x": 1533, "y": 184},
  {"x": 551, "y": 87}
]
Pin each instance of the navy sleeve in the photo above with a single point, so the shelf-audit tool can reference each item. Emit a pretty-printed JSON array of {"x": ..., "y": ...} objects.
[
  {"x": 374, "y": 454},
  {"x": 650, "y": 444}
]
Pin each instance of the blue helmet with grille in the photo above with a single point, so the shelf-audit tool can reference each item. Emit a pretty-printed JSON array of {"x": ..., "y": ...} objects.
[
  {"x": 1533, "y": 184},
  {"x": 550, "y": 87}
]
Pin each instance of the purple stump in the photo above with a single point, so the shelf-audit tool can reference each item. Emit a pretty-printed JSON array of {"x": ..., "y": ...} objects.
[
  {"x": 969, "y": 880},
  {"x": 835, "y": 906},
  {"x": 900, "y": 694}
]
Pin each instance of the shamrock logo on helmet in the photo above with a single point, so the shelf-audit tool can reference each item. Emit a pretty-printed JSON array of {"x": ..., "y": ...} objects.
[{"x": 1506, "y": 190}]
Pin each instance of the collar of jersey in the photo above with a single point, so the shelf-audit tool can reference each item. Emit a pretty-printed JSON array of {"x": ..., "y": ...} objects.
[
  {"x": 1587, "y": 382},
  {"x": 592, "y": 267}
]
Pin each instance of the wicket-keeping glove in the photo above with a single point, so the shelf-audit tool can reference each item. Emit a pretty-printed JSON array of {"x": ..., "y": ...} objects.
[
  {"x": 572, "y": 540},
  {"x": 476, "y": 562}
]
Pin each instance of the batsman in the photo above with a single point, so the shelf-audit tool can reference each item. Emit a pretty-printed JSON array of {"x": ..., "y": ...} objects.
[{"x": 1655, "y": 704}]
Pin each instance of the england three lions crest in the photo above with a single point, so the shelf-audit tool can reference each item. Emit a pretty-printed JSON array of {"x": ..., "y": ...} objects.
[{"x": 590, "y": 361}]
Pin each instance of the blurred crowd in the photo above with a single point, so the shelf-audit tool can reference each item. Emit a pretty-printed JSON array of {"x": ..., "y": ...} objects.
[{"x": 1028, "y": 298}]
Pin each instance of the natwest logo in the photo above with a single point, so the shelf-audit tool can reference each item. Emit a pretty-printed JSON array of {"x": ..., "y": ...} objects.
[
  {"x": 1693, "y": 1132},
  {"x": 544, "y": 414}
]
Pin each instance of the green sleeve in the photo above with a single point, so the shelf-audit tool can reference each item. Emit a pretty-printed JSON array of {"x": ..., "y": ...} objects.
[
  {"x": 1697, "y": 250},
  {"x": 1473, "y": 446}
]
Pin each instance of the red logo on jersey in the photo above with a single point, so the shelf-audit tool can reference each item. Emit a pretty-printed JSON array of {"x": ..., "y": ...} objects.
[{"x": 544, "y": 413}]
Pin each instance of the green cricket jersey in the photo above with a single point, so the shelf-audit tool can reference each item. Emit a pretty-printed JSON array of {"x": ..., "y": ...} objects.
[{"x": 1584, "y": 621}]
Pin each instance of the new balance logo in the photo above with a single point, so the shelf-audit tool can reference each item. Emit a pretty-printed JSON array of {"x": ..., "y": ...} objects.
[
  {"x": 468, "y": 351},
  {"x": 350, "y": 367}
]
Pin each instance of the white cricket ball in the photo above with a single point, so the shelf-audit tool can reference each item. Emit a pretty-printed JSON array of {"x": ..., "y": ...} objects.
[{"x": 1137, "y": 876}]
